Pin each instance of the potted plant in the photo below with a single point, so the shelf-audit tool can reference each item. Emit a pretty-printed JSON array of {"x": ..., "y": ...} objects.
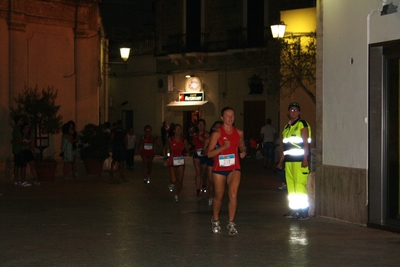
[
  {"x": 46, "y": 168},
  {"x": 41, "y": 112},
  {"x": 93, "y": 147}
]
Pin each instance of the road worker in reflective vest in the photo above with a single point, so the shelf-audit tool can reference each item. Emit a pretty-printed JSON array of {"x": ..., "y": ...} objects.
[{"x": 296, "y": 138}]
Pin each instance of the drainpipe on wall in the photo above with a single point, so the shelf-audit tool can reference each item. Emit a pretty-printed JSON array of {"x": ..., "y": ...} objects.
[
  {"x": 75, "y": 59},
  {"x": 373, "y": 12}
]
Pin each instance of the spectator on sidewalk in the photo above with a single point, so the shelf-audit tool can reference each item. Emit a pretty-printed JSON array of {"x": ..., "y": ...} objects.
[
  {"x": 16, "y": 143},
  {"x": 119, "y": 142},
  {"x": 268, "y": 136},
  {"x": 130, "y": 149}
]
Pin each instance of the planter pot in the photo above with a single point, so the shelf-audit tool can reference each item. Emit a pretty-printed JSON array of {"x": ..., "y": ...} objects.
[
  {"x": 93, "y": 166},
  {"x": 46, "y": 171}
]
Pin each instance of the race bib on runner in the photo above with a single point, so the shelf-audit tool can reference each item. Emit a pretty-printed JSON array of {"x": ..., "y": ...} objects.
[
  {"x": 148, "y": 146},
  {"x": 199, "y": 152},
  {"x": 226, "y": 160},
  {"x": 178, "y": 161}
]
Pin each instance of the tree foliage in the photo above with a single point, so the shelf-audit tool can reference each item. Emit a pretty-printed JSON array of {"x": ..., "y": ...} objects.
[
  {"x": 93, "y": 142},
  {"x": 39, "y": 109},
  {"x": 291, "y": 65}
]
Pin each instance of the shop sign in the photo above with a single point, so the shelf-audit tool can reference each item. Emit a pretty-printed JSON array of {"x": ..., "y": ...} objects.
[{"x": 183, "y": 97}]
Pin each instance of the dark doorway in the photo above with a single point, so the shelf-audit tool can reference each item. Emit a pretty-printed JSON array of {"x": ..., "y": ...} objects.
[
  {"x": 384, "y": 136},
  {"x": 127, "y": 119},
  {"x": 254, "y": 118},
  {"x": 392, "y": 135}
]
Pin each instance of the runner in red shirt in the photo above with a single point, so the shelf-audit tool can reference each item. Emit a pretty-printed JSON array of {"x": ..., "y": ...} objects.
[
  {"x": 200, "y": 160},
  {"x": 176, "y": 161},
  {"x": 224, "y": 146},
  {"x": 146, "y": 147}
]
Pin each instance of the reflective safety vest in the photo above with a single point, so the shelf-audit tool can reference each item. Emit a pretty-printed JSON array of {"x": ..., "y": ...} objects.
[{"x": 293, "y": 146}]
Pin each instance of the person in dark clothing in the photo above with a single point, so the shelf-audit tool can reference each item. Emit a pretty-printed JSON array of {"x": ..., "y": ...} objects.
[
  {"x": 164, "y": 132},
  {"x": 171, "y": 129},
  {"x": 119, "y": 142}
]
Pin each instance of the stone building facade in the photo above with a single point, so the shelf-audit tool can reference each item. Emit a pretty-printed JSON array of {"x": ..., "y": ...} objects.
[{"x": 50, "y": 43}]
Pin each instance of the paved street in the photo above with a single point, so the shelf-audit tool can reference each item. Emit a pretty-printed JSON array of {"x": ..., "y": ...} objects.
[{"x": 88, "y": 222}]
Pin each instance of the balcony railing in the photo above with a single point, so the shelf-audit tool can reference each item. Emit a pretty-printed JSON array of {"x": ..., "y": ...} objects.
[
  {"x": 181, "y": 43},
  {"x": 235, "y": 39}
]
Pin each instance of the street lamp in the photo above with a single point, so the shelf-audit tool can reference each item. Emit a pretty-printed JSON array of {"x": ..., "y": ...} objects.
[
  {"x": 278, "y": 30},
  {"x": 124, "y": 51}
]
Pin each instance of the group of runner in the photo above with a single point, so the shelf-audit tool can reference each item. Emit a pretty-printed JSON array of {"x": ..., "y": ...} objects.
[{"x": 216, "y": 156}]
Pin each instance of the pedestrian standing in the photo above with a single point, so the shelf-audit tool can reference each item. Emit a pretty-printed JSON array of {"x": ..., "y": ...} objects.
[
  {"x": 16, "y": 144},
  {"x": 268, "y": 136},
  {"x": 119, "y": 143},
  {"x": 130, "y": 149},
  {"x": 176, "y": 161},
  {"x": 66, "y": 147},
  {"x": 74, "y": 140},
  {"x": 29, "y": 152},
  {"x": 164, "y": 132},
  {"x": 296, "y": 137},
  {"x": 225, "y": 145}
]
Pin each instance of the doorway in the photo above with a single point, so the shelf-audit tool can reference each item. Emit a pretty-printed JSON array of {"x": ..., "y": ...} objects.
[
  {"x": 127, "y": 119},
  {"x": 384, "y": 136},
  {"x": 253, "y": 118}
]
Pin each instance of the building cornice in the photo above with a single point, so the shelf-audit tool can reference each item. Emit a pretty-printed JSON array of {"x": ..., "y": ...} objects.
[{"x": 50, "y": 12}]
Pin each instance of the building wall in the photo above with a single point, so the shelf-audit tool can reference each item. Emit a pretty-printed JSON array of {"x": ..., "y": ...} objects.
[
  {"x": 139, "y": 87},
  {"x": 224, "y": 74},
  {"x": 300, "y": 21},
  {"x": 344, "y": 30},
  {"x": 39, "y": 48}
]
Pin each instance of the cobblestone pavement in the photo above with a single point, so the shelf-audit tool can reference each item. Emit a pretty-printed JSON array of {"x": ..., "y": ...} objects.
[{"x": 89, "y": 222}]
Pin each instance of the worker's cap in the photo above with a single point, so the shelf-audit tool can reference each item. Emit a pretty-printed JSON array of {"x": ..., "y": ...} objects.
[{"x": 294, "y": 104}]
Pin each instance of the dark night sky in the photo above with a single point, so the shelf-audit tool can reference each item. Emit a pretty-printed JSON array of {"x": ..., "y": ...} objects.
[{"x": 127, "y": 18}]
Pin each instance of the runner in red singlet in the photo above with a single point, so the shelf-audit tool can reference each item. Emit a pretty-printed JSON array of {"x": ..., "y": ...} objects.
[
  {"x": 200, "y": 160},
  {"x": 224, "y": 146},
  {"x": 176, "y": 161},
  {"x": 146, "y": 146}
]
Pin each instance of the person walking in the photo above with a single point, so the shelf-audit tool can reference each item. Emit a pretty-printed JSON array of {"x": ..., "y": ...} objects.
[
  {"x": 130, "y": 149},
  {"x": 296, "y": 138},
  {"x": 268, "y": 135},
  {"x": 119, "y": 143},
  {"x": 66, "y": 148},
  {"x": 29, "y": 152},
  {"x": 146, "y": 147},
  {"x": 176, "y": 162},
  {"x": 16, "y": 145},
  {"x": 225, "y": 145},
  {"x": 74, "y": 140},
  {"x": 164, "y": 132},
  {"x": 200, "y": 160},
  {"x": 210, "y": 163}
]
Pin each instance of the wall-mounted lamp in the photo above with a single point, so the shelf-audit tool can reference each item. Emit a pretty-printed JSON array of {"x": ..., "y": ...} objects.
[
  {"x": 124, "y": 53},
  {"x": 388, "y": 9},
  {"x": 187, "y": 76},
  {"x": 278, "y": 30}
]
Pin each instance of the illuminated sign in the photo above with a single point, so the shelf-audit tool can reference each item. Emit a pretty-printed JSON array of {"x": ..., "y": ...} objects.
[
  {"x": 191, "y": 97},
  {"x": 193, "y": 84}
]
